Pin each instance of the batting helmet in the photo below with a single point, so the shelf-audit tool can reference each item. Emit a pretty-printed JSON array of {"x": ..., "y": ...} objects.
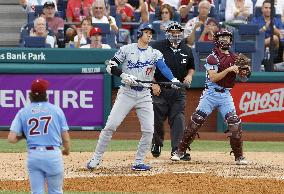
[
  {"x": 142, "y": 27},
  {"x": 223, "y": 44}
]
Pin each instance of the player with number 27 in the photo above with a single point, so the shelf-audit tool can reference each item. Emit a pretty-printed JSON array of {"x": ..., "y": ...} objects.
[{"x": 45, "y": 128}]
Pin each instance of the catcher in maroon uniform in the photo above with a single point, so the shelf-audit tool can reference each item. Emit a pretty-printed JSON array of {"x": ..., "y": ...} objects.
[{"x": 222, "y": 69}]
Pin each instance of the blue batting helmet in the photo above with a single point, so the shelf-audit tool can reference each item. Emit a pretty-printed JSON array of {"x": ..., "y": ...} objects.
[{"x": 144, "y": 26}]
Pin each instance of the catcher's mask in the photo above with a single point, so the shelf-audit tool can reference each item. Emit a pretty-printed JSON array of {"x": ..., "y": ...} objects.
[
  {"x": 223, "y": 44},
  {"x": 174, "y": 33}
]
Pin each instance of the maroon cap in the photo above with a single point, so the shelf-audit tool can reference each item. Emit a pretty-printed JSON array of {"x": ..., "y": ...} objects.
[
  {"x": 39, "y": 86},
  {"x": 94, "y": 31}
]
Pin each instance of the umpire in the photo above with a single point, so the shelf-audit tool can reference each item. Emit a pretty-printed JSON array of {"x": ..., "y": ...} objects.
[{"x": 168, "y": 102}]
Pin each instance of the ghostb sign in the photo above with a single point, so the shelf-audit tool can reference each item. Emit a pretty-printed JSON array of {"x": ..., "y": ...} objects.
[{"x": 259, "y": 102}]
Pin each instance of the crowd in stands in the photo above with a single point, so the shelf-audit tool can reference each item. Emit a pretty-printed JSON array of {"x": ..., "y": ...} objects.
[{"x": 112, "y": 23}]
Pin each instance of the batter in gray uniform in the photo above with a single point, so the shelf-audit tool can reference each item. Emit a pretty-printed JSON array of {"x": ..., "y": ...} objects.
[{"x": 139, "y": 62}]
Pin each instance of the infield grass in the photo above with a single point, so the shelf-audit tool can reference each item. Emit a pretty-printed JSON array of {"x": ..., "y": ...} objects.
[{"x": 79, "y": 145}]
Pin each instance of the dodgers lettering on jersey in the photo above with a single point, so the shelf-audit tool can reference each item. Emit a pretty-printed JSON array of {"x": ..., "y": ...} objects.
[
  {"x": 42, "y": 123},
  {"x": 138, "y": 62}
]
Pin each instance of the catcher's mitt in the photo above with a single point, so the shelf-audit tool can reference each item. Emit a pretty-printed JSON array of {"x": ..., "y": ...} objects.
[{"x": 244, "y": 65}]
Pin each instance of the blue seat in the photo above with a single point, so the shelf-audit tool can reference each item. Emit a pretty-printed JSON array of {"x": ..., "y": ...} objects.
[
  {"x": 38, "y": 10},
  {"x": 257, "y": 11},
  {"x": 176, "y": 17},
  {"x": 113, "y": 10},
  {"x": 222, "y": 8},
  {"x": 107, "y": 34},
  {"x": 137, "y": 16},
  {"x": 35, "y": 42},
  {"x": 24, "y": 33},
  {"x": 31, "y": 17},
  {"x": 250, "y": 32},
  {"x": 159, "y": 34},
  {"x": 152, "y": 17},
  {"x": 105, "y": 27},
  {"x": 200, "y": 53}
]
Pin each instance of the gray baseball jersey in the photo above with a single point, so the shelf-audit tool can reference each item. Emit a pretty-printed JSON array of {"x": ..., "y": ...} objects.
[{"x": 138, "y": 62}]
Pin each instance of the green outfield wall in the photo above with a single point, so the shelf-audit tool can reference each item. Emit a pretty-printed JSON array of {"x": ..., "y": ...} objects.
[{"x": 91, "y": 61}]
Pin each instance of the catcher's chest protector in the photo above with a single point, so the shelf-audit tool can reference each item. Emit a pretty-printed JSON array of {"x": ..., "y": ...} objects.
[{"x": 225, "y": 61}]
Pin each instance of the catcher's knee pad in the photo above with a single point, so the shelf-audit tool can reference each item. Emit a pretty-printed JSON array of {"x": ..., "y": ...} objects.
[
  {"x": 197, "y": 120},
  {"x": 234, "y": 124}
]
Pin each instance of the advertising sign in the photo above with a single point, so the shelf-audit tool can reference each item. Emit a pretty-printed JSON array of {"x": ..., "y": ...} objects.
[
  {"x": 259, "y": 102},
  {"x": 81, "y": 96}
]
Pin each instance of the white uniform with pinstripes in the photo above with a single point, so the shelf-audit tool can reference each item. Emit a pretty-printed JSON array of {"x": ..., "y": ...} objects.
[{"x": 142, "y": 64}]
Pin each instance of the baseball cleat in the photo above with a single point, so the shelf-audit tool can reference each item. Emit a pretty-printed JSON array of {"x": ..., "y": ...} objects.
[
  {"x": 156, "y": 150},
  {"x": 241, "y": 161},
  {"x": 186, "y": 157},
  {"x": 175, "y": 156},
  {"x": 140, "y": 167},
  {"x": 92, "y": 164}
]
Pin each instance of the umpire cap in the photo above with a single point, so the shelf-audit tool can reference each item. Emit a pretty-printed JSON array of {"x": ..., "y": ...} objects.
[
  {"x": 144, "y": 26},
  {"x": 39, "y": 86}
]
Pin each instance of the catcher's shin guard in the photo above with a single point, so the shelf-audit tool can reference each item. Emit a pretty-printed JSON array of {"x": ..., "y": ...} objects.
[
  {"x": 197, "y": 119},
  {"x": 236, "y": 141}
]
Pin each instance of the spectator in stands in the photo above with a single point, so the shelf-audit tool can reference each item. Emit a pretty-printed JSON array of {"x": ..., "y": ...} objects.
[
  {"x": 210, "y": 28},
  {"x": 40, "y": 29},
  {"x": 29, "y": 5},
  {"x": 263, "y": 22},
  {"x": 126, "y": 11},
  {"x": 100, "y": 15},
  {"x": 238, "y": 10},
  {"x": 83, "y": 32},
  {"x": 147, "y": 8},
  {"x": 166, "y": 14},
  {"x": 77, "y": 10},
  {"x": 195, "y": 23},
  {"x": 279, "y": 6},
  {"x": 54, "y": 23},
  {"x": 96, "y": 39},
  {"x": 186, "y": 7}
]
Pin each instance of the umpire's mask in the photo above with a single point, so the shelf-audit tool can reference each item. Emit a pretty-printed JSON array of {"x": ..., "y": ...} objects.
[{"x": 174, "y": 33}]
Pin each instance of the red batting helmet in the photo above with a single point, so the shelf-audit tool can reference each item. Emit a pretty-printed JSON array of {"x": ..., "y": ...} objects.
[{"x": 223, "y": 44}]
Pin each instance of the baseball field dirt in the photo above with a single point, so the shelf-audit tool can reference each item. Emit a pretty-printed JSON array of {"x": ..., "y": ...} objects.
[{"x": 207, "y": 172}]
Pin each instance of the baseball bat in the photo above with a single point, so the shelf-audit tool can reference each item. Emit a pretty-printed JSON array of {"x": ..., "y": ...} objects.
[{"x": 179, "y": 84}]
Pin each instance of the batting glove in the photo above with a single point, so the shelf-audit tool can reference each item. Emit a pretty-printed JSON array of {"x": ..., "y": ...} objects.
[
  {"x": 128, "y": 79},
  {"x": 174, "y": 85}
]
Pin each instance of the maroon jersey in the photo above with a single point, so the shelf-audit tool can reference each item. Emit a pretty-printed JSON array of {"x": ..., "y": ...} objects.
[{"x": 223, "y": 61}]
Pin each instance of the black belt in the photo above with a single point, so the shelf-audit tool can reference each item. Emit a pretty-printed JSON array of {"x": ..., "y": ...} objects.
[
  {"x": 46, "y": 147},
  {"x": 217, "y": 89},
  {"x": 136, "y": 88},
  {"x": 220, "y": 90}
]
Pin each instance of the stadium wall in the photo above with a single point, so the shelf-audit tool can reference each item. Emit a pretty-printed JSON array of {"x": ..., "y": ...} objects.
[{"x": 267, "y": 86}]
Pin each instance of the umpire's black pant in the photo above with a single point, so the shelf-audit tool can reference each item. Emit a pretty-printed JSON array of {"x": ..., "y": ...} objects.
[{"x": 169, "y": 104}]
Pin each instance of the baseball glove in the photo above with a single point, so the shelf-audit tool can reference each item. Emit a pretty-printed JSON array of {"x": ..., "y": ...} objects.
[{"x": 244, "y": 65}]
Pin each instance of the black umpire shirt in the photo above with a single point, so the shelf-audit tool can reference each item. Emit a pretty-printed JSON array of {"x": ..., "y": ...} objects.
[{"x": 179, "y": 60}]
